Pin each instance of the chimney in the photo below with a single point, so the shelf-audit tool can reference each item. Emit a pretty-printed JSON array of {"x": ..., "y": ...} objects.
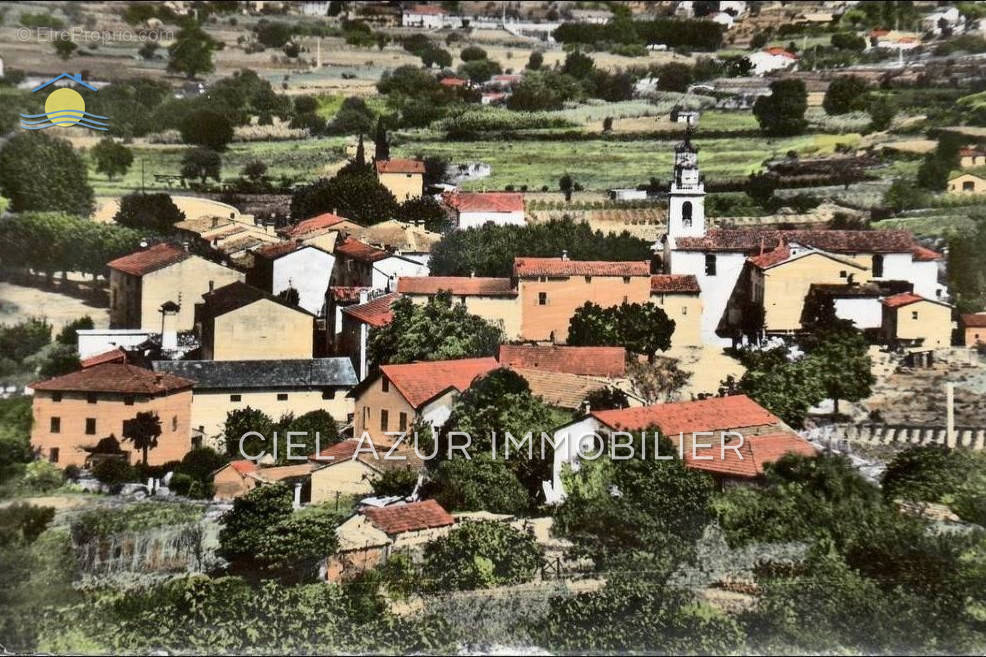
[
  {"x": 296, "y": 503},
  {"x": 950, "y": 414},
  {"x": 564, "y": 254},
  {"x": 184, "y": 245}
]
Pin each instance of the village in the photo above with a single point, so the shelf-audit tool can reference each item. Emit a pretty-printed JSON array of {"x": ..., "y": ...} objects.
[{"x": 462, "y": 326}]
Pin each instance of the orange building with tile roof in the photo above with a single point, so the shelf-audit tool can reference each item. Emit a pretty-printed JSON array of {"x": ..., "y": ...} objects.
[
  {"x": 913, "y": 320},
  {"x": 75, "y": 411},
  {"x": 404, "y": 178}
]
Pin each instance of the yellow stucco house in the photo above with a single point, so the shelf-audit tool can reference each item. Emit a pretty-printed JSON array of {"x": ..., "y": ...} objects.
[
  {"x": 680, "y": 297},
  {"x": 910, "y": 319},
  {"x": 781, "y": 279},
  {"x": 967, "y": 183},
  {"x": 493, "y": 299},
  {"x": 350, "y": 467},
  {"x": 974, "y": 329},
  {"x": 240, "y": 322},
  {"x": 141, "y": 282},
  {"x": 971, "y": 157},
  {"x": 404, "y": 178}
]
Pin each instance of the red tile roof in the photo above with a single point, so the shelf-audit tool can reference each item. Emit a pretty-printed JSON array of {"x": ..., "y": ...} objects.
[
  {"x": 341, "y": 293},
  {"x": 565, "y": 267},
  {"x": 112, "y": 356},
  {"x": 143, "y": 262},
  {"x": 425, "y": 9},
  {"x": 278, "y": 249},
  {"x": 243, "y": 466},
  {"x": 902, "y": 299},
  {"x": 974, "y": 320},
  {"x": 714, "y": 414},
  {"x": 752, "y": 240},
  {"x": 360, "y": 251},
  {"x": 486, "y": 201},
  {"x": 452, "y": 82},
  {"x": 403, "y": 456},
  {"x": 342, "y": 451},
  {"x": 416, "y": 516},
  {"x": 400, "y": 166},
  {"x": 674, "y": 283},
  {"x": 420, "y": 382},
  {"x": 587, "y": 361},
  {"x": 457, "y": 285},
  {"x": 771, "y": 258},
  {"x": 116, "y": 377},
  {"x": 319, "y": 222},
  {"x": 924, "y": 254},
  {"x": 754, "y": 454},
  {"x": 781, "y": 51},
  {"x": 376, "y": 312}
]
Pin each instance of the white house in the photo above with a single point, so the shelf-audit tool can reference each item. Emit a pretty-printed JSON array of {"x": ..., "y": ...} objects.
[
  {"x": 429, "y": 17},
  {"x": 473, "y": 209},
  {"x": 772, "y": 59},
  {"x": 947, "y": 16},
  {"x": 303, "y": 267},
  {"x": 724, "y": 19},
  {"x": 358, "y": 264},
  {"x": 92, "y": 342}
]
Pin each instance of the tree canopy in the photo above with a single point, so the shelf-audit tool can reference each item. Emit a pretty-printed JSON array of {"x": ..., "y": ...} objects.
[{"x": 43, "y": 173}]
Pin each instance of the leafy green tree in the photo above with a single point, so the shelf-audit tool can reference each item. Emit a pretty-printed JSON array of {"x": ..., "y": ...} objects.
[
  {"x": 58, "y": 360},
  {"x": 425, "y": 211},
  {"x": 567, "y": 185},
  {"x": 472, "y": 53},
  {"x": 191, "y": 52},
  {"x": 395, "y": 481},
  {"x": 155, "y": 211},
  {"x": 200, "y": 463},
  {"x": 641, "y": 328},
  {"x": 354, "y": 117},
  {"x": 760, "y": 187},
  {"x": 843, "y": 363},
  {"x": 41, "y": 172},
  {"x": 358, "y": 196},
  {"x": 785, "y": 388},
  {"x": 904, "y": 195},
  {"x": 143, "y": 430},
  {"x": 317, "y": 429},
  {"x": 478, "y": 484},
  {"x": 64, "y": 48},
  {"x": 882, "y": 112},
  {"x": 480, "y": 70},
  {"x": 202, "y": 163},
  {"x": 18, "y": 341},
  {"x": 927, "y": 473},
  {"x": 481, "y": 555},
  {"x": 607, "y": 398},
  {"x": 535, "y": 61},
  {"x": 436, "y": 57},
  {"x": 845, "y": 94},
  {"x": 273, "y": 34},
  {"x": 114, "y": 472},
  {"x": 937, "y": 165},
  {"x": 578, "y": 65},
  {"x": 112, "y": 159},
  {"x": 674, "y": 76},
  {"x": 437, "y": 330},
  {"x": 543, "y": 90},
  {"x": 294, "y": 547},
  {"x": 782, "y": 113},
  {"x": 490, "y": 250},
  {"x": 241, "y": 421},
  {"x": 967, "y": 264},
  {"x": 246, "y": 526},
  {"x": 207, "y": 128},
  {"x": 380, "y": 142},
  {"x": 608, "y": 513}
]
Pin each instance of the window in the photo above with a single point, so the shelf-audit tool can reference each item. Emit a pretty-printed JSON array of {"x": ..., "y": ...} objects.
[
  {"x": 174, "y": 423},
  {"x": 56, "y": 425},
  {"x": 56, "y": 396},
  {"x": 128, "y": 400},
  {"x": 282, "y": 396},
  {"x": 402, "y": 423},
  {"x": 542, "y": 298},
  {"x": 626, "y": 279},
  {"x": 710, "y": 264},
  {"x": 91, "y": 398},
  {"x": 686, "y": 214},
  {"x": 914, "y": 314},
  {"x": 588, "y": 279},
  {"x": 328, "y": 394},
  {"x": 968, "y": 186},
  {"x": 366, "y": 416},
  {"x": 385, "y": 384},
  {"x": 384, "y": 419},
  {"x": 843, "y": 274},
  {"x": 53, "y": 455},
  {"x": 90, "y": 426},
  {"x": 235, "y": 398},
  {"x": 684, "y": 310},
  {"x": 877, "y": 266}
]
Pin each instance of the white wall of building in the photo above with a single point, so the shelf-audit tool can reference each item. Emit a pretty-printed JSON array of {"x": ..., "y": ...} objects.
[
  {"x": 716, "y": 290},
  {"x": 306, "y": 270},
  {"x": 387, "y": 271},
  {"x": 93, "y": 342},
  {"x": 923, "y": 274},
  {"x": 476, "y": 219},
  {"x": 436, "y": 412},
  {"x": 567, "y": 440},
  {"x": 865, "y": 312}
]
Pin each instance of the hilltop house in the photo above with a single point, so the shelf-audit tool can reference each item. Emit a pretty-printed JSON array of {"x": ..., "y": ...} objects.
[
  {"x": 741, "y": 270},
  {"x": 360, "y": 265},
  {"x": 240, "y": 322},
  {"x": 966, "y": 183},
  {"x": 395, "y": 397},
  {"x": 305, "y": 268},
  {"x": 429, "y": 17},
  {"x": 238, "y": 478},
  {"x": 276, "y": 387},
  {"x": 472, "y": 209},
  {"x": 140, "y": 283},
  {"x": 731, "y": 438},
  {"x": 773, "y": 59},
  {"x": 76, "y": 410},
  {"x": 402, "y": 178},
  {"x": 971, "y": 156}
]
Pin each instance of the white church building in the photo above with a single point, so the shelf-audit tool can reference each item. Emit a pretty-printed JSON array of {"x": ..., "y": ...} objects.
[{"x": 730, "y": 263}]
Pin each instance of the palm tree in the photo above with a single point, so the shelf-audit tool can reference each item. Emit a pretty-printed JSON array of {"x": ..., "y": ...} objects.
[{"x": 143, "y": 431}]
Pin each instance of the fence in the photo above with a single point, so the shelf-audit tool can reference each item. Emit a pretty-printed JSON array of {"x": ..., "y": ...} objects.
[{"x": 838, "y": 436}]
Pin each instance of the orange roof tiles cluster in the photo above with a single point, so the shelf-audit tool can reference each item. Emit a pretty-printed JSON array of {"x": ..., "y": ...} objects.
[
  {"x": 116, "y": 378},
  {"x": 566, "y": 267},
  {"x": 148, "y": 260},
  {"x": 755, "y": 453},
  {"x": 486, "y": 201},
  {"x": 313, "y": 224},
  {"x": 974, "y": 320},
  {"x": 902, "y": 299},
  {"x": 416, "y": 516},
  {"x": 421, "y": 382},
  {"x": 112, "y": 356},
  {"x": 674, "y": 284},
  {"x": 360, "y": 251},
  {"x": 400, "y": 166},
  {"x": 376, "y": 312},
  {"x": 713, "y": 414},
  {"x": 457, "y": 285}
]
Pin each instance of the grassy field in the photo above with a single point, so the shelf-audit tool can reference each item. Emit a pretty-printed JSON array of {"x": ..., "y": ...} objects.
[{"x": 600, "y": 164}]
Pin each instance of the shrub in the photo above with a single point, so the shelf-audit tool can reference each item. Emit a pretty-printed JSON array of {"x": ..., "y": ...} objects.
[
  {"x": 114, "y": 472},
  {"x": 479, "y": 555},
  {"x": 42, "y": 476},
  {"x": 180, "y": 483}
]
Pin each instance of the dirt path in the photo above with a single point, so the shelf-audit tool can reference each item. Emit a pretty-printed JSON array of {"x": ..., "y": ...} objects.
[{"x": 18, "y": 303}]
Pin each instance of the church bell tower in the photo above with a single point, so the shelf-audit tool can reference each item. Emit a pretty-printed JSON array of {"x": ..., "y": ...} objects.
[{"x": 686, "y": 197}]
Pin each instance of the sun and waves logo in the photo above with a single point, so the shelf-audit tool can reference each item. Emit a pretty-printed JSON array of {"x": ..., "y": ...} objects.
[{"x": 64, "y": 107}]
